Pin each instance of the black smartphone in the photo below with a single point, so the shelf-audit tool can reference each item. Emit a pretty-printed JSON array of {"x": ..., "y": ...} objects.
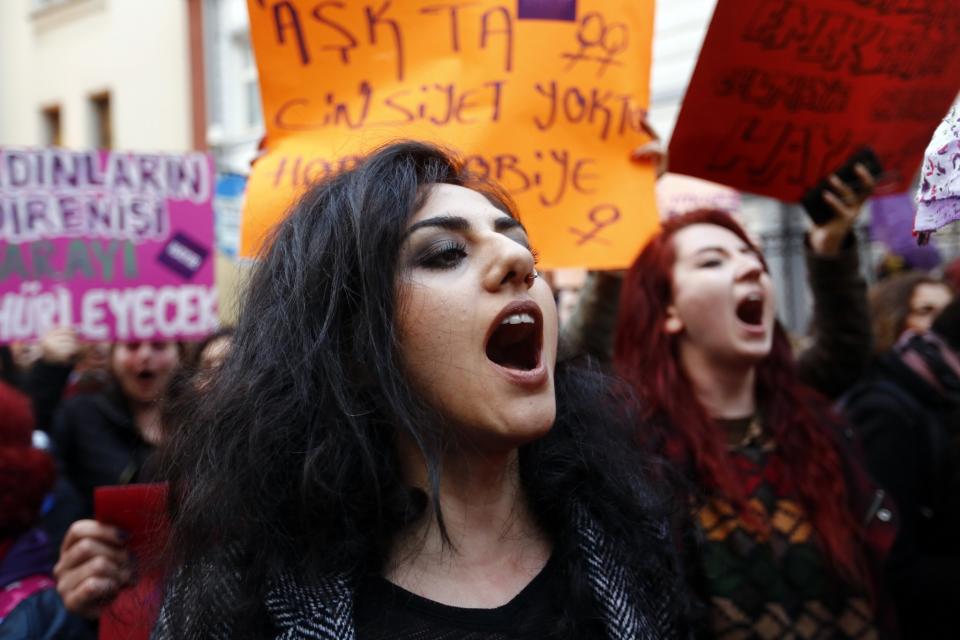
[{"x": 817, "y": 208}]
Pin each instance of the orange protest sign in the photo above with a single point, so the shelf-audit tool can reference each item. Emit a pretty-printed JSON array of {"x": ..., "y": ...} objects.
[{"x": 548, "y": 97}]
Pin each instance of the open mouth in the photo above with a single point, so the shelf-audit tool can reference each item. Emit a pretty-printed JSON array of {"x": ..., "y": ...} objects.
[
  {"x": 750, "y": 310},
  {"x": 146, "y": 376},
  {"x": 516, "y": 337}
]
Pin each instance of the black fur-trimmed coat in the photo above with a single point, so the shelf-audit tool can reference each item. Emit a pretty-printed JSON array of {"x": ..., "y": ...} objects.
[{"x": 631, "y": 608}]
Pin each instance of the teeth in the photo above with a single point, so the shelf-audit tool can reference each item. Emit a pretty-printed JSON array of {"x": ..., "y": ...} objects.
[
  {"x": 518, "y": 318},
  {"x": 754, "y": 297}
]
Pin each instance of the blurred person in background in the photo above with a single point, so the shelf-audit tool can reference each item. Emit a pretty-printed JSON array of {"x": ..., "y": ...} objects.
[
  {"x": 47, "y": 377},
  {"x": 94, "y": 562},
  {"x": 64, "y": 366},
  {"x": 906, "y": 301},
  {"x": 212, "y": 351},
  {"x": 92, "y": 371},
  {"x": 8, "y": 367},
  {"x": 106, "y": 438},
  {"x": 25, "y": 354},
  {"x": 951, "y": 275},
  {"x": 787, "y": 531},
  {"x": 907, "y": 412},
  {"x": 29, "y": 604}
]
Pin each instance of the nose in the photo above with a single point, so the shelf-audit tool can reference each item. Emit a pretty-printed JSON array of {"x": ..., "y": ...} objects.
[
  {"x": 750, "y": 267},
  {"x": 139, "y": 351},
  {"x": 511, "y": 265}
]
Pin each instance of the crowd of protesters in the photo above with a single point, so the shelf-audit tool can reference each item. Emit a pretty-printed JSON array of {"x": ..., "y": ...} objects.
[{"x": 400, "y": 441}]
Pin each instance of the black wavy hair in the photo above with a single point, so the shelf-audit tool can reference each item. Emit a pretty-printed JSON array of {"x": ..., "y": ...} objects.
[{"x": 288, "y": 458}]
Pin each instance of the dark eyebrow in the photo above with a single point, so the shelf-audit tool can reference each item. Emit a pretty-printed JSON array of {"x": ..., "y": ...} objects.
[
  {"x": 457, "y": 223},
  {"x": 745, "y": 248},
  {"x": 451, "y": 223},
  {"x": 506, "y": 223}
]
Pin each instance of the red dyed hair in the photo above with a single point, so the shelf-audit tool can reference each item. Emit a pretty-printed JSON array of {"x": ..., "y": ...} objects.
[
  {"x": 26, "y": 474},
  {"x": 646, "y": 356}
]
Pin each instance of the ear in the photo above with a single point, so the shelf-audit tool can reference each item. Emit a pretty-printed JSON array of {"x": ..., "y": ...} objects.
[{"x": 672, "y": 324}]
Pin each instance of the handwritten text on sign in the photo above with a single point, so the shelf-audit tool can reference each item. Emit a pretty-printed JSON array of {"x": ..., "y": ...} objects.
[
  {"x": 546, "y": 96},
  {"x": 785, "y": 90},
  {"x": 115, "y": 245}
]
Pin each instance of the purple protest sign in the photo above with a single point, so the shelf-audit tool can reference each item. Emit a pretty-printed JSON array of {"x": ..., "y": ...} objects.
[
  {"x": 116, "y": 245},
  {"x": 565, "y": 10},
  {"x": 891, "y": 223}
]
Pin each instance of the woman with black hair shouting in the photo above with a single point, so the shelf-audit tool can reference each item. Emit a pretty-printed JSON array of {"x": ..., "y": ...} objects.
[{"x": 389, "y": 450}]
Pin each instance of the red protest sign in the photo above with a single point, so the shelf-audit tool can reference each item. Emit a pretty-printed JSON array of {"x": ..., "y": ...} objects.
[
  {"x": 785, "y": 90},
  {"x": 140, "y": 511}
]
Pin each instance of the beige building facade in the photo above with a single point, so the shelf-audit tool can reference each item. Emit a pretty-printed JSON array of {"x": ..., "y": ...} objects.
[{"x": 95, "y": 73}]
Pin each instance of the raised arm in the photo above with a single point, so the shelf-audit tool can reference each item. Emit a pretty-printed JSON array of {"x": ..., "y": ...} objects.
[{"x": 841, "y": 349}]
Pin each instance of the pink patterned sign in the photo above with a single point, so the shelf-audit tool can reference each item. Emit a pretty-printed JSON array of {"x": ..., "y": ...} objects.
[{"x": 116, "y": 245}]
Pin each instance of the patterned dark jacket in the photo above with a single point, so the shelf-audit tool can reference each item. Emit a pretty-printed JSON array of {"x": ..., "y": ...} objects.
[{"x": 632, "y": 608}]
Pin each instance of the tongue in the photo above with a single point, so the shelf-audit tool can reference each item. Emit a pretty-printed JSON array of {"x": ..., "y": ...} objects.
[{"x": 514, "y": 346}]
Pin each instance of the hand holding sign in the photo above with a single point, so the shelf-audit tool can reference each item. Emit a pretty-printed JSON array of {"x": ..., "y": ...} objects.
[
  {"x": 652, "y": 151},
  {"x": 94, "y": 565},
  {"x": 60, "y": 346}
]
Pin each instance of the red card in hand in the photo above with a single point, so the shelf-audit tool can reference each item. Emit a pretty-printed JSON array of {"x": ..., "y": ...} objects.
[{"x": 140, "y": 511}]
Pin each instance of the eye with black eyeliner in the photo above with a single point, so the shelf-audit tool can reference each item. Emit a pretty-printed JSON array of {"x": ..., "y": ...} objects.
[
  {"x": 709, "y": 263},
  {"x": 442, "y": 255}
]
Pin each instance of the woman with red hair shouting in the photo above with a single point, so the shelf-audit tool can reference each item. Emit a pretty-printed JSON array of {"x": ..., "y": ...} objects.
[{"x": 787, "y": 528}]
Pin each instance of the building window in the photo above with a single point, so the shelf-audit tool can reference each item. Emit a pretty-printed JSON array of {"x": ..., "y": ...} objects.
[
  {"x": 52, "y": 127},
  {"x": 40, "y": 5},
  {"x": 101, "y": 120}
]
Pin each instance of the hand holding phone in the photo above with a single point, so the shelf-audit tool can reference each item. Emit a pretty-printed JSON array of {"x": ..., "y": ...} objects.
[{"x": 819, "y": 209}]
